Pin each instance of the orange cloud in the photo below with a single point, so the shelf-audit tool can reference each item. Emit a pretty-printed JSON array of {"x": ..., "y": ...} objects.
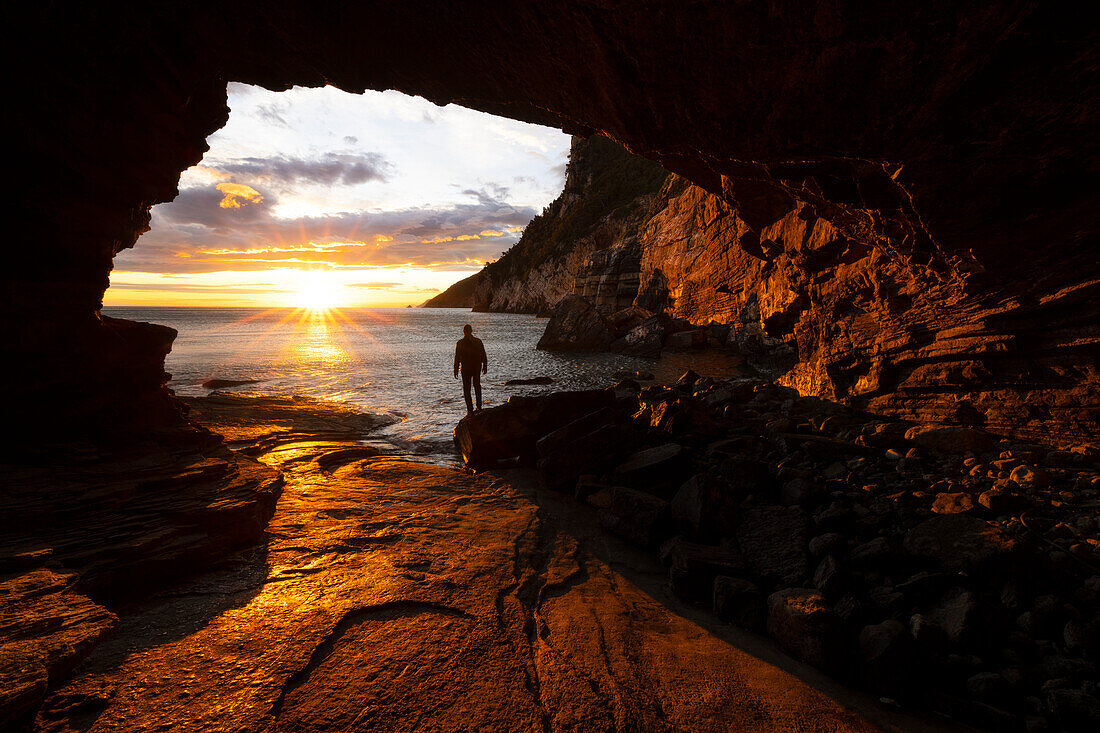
[
  {"x": 491, "y": 233},
  {"x": 382, "y": 239},
  {"x": 237, "y": 194},
  {"x": 466, "y": 237}
]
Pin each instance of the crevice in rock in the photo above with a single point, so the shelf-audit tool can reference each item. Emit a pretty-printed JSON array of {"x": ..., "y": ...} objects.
[{"x": 354, "y": 617}]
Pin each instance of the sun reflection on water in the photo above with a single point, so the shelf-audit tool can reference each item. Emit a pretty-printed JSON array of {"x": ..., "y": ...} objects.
[{"x": 317, "y": 339}]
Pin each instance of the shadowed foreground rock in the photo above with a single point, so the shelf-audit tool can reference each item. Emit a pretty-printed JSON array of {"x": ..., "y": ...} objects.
[
  {"x": 511, "y": 430},
  {"x": 393, "y": 596},
  {"x": 946, "y": 568}
]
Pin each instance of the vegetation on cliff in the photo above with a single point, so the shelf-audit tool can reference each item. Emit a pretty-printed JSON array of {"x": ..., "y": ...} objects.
[{"x": 605, "y": 188}]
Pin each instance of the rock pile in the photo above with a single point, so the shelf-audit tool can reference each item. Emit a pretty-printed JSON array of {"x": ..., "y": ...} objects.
[
  {"x": 941, "y": 567},
  {"x": 578, "y": 325}
]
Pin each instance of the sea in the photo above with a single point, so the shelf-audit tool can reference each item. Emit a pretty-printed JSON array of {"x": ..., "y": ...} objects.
[{"x": 393, "y": 360}]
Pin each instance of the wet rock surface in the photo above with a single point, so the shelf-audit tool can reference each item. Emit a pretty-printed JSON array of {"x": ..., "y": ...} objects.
[
  {"x": 951, "y": 570},
  {"x": 393, "y": 595}
]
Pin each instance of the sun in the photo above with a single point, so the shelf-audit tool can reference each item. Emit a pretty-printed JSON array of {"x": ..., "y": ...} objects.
[{"x": 317, "y": 291}]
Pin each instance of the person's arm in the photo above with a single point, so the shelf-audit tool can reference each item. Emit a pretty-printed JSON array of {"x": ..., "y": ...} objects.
[
  {"x": 484, "y": 360},
  {"x": 456, "y": 361}
]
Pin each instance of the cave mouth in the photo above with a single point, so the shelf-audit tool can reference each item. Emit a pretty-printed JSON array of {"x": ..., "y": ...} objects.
[{"x": 316, "y": 198}]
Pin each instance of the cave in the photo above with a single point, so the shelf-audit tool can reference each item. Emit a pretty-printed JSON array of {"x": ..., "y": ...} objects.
[
  {"x": 950, "y": 148},
  {"x": 958, "y": 135}
]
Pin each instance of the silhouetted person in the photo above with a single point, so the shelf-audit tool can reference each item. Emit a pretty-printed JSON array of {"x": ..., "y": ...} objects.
[{"x": 471, "y": 359}]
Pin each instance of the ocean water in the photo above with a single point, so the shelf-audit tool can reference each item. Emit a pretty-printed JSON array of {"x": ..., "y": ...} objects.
[{"x": 395, "y": 360}]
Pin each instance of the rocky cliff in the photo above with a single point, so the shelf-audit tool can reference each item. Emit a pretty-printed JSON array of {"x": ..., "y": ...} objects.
[
  {"x": 840, "y": 301},
  {"x": 833, "y": 296},
  {"x": 607, "y": 195}
]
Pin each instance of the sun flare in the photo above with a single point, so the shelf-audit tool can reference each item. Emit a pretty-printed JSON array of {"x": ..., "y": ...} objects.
[{"x": 317, "y": 291}]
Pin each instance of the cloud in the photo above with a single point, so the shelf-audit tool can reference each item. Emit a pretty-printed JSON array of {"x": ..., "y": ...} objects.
[
  {"x": 195, "y": 233},
  {"x": 259, "y": 288},
  {"x": 238, "y": 195},
  {"x": 400, "y": 287},
  {"x": 331, "y": 169},
  {"x": 375, "y": 286},
  {"x": 350, "y": 140}
]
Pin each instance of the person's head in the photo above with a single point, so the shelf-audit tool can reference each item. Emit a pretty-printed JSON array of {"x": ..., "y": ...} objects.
[{"x": 467, "y": 330}]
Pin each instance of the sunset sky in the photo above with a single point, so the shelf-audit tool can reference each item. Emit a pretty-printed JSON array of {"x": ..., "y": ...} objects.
[{"x": 316, "y": 197}]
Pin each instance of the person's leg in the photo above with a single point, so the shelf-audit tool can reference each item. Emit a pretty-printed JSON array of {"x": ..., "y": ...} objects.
[
  {"x": 466, "y": 392},
  {"x": 477, "y": 388}
]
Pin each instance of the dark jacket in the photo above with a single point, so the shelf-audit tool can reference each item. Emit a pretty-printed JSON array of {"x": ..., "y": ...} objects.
[{"x": 470, "y": 354}]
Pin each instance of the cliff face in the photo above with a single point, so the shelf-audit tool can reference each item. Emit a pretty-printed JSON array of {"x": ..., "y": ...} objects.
[
  {"x": 832, "y": 296},
  {"x": 950, "y": 144},
  {"x": 843, "y": 311},
  {"x": 606, "y": 196}
]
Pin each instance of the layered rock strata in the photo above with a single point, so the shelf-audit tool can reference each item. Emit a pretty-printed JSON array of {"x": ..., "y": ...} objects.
[
  {"x": 89, "y": 527},
  {"x": 914, "y": 129},
  {"x": 840, "y": 302}
]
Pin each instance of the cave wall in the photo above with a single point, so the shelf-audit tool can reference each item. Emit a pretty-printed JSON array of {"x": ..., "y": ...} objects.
[
  {"x": 958, "y": 133},
  {"x": 865, "y": 320}
]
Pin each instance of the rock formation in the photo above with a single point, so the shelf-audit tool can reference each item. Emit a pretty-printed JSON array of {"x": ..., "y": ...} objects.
[
  {"x": 939, "y": 169},
  {"x": 901, "y": 195},
  {"x": 606, "y": 196},
  {"x": 941, "y": 567},
  {"x": 391, "y": 595}
]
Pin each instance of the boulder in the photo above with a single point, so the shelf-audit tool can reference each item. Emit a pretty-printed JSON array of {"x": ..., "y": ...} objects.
[
  {"x": 829, "y": 543},
  {"x": 800, "y": 491},
  {"x": 927, "y": 633},
  {"x": 702, "y": 505},
  {"x": 627, "y": 319},
  {"x": 1030, "y": 477},
  {"x": 512, "y": 429},
  {"x": 645, "y": 339},
  {"x": 684, "y": 340},
  {"x": 656, "y": 469},
  {"x": 956, "y": 502},
  {"x": 686, "y": 382},
  {"x": 960, "y": 542},
  {"x": 575, "y": 325},
  {"x": 871, "y": 555},
  {"x": 950, "y": 439},
  {"x": 887, "y": 658},
  {"x": 680, "y": 417},
  {"x": 747, "y": 476},
  {"x": 830, "y": 578},
  {"x": 590, "y": 452},
  {"x": 573, "y": 432},
  {"x": 999, "y": 500},
  {"x": 774, "y": 541},
  {"x": 693, "y": 568},
  {"x": 1076, "y": 710},
  {"x": 636, "y": 516},
  {"x": 739, "y": 601},
  {"x": 802, "y": 622},
  {"x": 960, "y": 614},
  {"x": 532, "y": 380}
]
